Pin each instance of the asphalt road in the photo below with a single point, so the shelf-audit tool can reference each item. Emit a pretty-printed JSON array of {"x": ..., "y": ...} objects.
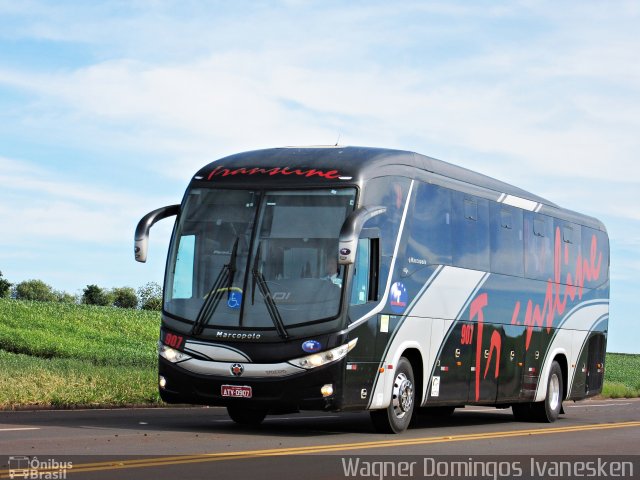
[{"x": 203, "y": 443}]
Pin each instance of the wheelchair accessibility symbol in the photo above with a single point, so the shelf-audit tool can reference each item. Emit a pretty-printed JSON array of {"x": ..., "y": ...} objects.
[{"x": 234, "y": 300}]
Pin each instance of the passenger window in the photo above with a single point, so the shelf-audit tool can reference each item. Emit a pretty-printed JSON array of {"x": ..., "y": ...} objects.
[
  {"x": 507, "y": 245},
  {"x": 470, "y": 241},
  {"x": 538, "y": 246},
  {"x": 569, "y": 248},
  {"x": 389, "y": 192},
  {"x": 595, "y": 252},
  {"x": 430, "y": 237}
]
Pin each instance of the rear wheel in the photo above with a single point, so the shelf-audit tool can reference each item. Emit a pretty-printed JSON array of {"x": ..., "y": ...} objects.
[
  {"x": 549, "y": 409},
  {"x": 397, "y": 416},
  {"x": 246, "y": 416}
]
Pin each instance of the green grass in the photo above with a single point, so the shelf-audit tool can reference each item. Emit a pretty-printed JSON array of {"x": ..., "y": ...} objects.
[
  {"x": 622, "y": 376},
  {"x": 64, "y": 382},
  {"x": 100, "y": 335},
  {"x": 76, "y": 355}
]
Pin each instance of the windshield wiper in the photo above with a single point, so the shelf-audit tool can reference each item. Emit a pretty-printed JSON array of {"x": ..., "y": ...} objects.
[
  {"x": 227, "y": 274},
  {"x": 272, "y": 308}
]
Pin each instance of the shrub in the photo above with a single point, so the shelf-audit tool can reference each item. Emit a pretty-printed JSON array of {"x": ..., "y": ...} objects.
[
  {"x": 65, "y": 297},
  {"x": 94, "y": 295},
  {"x": 150, "y": 296},
  {"x": 35, "y": 290},
  {"x": 125, "y": 297},
  {"x": 5, "y": 287}
]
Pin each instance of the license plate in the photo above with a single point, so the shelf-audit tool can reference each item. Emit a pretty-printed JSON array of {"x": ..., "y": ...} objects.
[{"x": 236, "y": 391}]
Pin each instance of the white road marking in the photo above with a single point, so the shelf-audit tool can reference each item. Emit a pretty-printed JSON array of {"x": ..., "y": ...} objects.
[
  {"x": 17, "y": 429},
  {"x": 599, "y": 405}
]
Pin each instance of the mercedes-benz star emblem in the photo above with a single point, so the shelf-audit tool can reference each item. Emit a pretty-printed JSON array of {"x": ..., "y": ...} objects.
[{"x": 237, "y": 369}]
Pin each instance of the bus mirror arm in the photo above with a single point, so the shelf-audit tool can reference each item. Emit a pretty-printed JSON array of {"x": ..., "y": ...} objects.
[
  {"x": 350, "y": 232},
  {"x": 141, "y": 238}
]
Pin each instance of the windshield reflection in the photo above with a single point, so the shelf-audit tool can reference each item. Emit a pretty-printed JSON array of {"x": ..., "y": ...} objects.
[{"x": 288, "y": 276}]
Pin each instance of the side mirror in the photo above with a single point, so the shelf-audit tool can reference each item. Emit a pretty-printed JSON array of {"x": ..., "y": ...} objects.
[
  {"x": 350, "y": 232},
  {"x": 141, "y": 238}
]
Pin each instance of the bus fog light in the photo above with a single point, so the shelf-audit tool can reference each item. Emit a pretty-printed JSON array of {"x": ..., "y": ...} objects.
[
  {"x": 162, "y": 381},
  {"x": 327, "y": 390}
]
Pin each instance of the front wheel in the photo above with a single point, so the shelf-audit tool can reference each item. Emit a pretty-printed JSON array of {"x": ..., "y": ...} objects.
[
  {"x": 397, "y": 416},
  {"x": 246, "y": 416}
]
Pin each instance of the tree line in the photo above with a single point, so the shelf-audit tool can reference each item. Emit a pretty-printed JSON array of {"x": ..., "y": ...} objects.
[{"x": 147, "y": 297}]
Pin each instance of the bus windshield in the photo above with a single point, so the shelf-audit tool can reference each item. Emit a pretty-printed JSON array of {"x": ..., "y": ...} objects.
[{"x": 256, "y": 259}]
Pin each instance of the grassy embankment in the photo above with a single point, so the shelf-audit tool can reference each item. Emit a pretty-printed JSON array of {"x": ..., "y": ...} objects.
[
  {"x": 77, "y": 355},
  {"x": 622, "y": 375}
]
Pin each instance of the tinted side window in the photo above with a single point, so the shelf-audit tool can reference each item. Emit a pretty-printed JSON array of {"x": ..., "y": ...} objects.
[
  {"x": 538, "y": 246},
  {"x": 360, "y": 284},
  {"x": 430, "y": 239},
  {"x": 390, "y": 192},
  {"x": 595, "y": 252},
  {"x": 506, "y": 240},
  {"x": 470, "y": 240},
  {"x": 568, "y": 244}
]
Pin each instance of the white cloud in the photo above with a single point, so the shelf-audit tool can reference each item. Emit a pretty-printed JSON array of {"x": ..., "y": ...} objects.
[{"x": 39, "y": 205}]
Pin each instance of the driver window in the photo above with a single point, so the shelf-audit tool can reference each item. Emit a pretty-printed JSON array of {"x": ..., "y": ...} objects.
[{"x": 360, "y": 289}]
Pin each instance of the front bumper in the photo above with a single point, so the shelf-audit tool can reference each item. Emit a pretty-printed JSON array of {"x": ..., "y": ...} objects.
[{"x": 291, "y": 393}]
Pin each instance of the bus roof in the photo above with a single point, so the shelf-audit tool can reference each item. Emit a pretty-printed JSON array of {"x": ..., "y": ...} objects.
[{"x": 315, "y": 166}]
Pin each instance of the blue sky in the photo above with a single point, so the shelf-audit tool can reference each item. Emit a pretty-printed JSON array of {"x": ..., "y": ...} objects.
[{"x": 108, "y": 108}]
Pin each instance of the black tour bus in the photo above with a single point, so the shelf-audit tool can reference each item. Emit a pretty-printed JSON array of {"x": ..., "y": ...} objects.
[{"x": 350, "y": 278}]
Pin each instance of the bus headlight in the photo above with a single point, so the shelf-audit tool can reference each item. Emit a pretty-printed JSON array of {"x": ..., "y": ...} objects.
[
  {"x": 171, "y": 354},
  {"x": 323, "y": 358}
]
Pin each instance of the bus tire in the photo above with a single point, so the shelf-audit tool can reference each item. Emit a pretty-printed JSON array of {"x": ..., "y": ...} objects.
[
  {"x": 549, "y": 410},
  {"x": 246, "y": 416},
  {"x": 397, "y": 416}
]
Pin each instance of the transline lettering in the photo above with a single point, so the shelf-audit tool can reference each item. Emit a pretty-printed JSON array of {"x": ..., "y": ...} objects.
[{"x": 221, "y": 171}]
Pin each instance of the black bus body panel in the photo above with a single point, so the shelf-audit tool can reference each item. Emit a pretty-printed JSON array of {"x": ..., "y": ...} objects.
[{"x": 486, "y": 302}]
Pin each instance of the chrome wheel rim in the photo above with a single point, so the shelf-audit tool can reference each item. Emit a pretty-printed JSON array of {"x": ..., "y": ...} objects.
[
  {"x": 554, "y": 392},
  {"x": 402, "y": 395}
]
